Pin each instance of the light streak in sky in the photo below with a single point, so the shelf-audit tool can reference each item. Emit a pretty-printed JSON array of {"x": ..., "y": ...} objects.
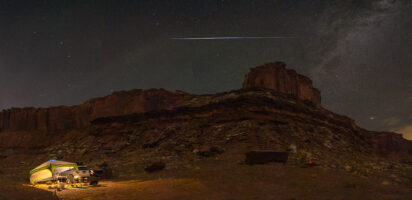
[{"x": 230, "y": 38}]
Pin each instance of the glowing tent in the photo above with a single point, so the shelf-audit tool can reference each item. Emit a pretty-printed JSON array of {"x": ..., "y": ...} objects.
[{"x": 47, "y": 170}]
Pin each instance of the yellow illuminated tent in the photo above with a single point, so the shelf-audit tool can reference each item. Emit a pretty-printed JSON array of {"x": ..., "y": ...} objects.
[{"x": 47, "y": 170}]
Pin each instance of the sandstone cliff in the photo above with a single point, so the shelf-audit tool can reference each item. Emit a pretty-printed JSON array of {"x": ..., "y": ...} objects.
[
  {"x": 276, "y": 77},
  {"x": 272, "y": 86},
  {"x": 79, "y": 116}
]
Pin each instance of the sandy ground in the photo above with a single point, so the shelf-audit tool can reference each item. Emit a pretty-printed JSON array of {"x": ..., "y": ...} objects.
[
  {"x": 135, "y": 189},
  {"x": 17, "y": 191},
  {"x": 244, "y": 182},
  {"x": 223, "y": 180}
]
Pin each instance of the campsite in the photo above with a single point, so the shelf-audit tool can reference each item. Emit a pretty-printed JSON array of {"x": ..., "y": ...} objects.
[{"x": 61, "y": 175}]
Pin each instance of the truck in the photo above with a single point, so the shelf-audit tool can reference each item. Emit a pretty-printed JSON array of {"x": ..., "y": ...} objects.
[{"x": 82, "y": 175}]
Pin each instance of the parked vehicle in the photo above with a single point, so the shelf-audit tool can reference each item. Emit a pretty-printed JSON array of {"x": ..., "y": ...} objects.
[
  {"x": 84, "y": 173},
  {"x": 72, "y": 175},
  {"x": 81, "y": 174}
]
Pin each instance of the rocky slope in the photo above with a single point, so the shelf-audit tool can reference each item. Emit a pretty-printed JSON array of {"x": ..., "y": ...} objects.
[{"x": 276, "y": 109}]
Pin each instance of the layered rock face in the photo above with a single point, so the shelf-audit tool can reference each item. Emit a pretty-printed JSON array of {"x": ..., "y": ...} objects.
[
  {"x": 272, "y": 75},
  {"x": 388, "y": 142},
  {"x": 79, "y": 116},
  {"x": 276, "y": 77},
  {"x": 270, "y": 87},
  {"x": 43, "y": 119},
  {"x": 134, "y": 101}
]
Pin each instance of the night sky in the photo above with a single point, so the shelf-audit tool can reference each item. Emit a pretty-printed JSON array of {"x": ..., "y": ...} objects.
[{"x": 358, "y": 53}]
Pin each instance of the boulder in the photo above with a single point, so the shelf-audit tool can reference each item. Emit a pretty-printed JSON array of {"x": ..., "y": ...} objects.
[
  {"x": 263, "y": 157},
  {"x": 207, "y": 151},
  {"x": 156, "y": 166}
]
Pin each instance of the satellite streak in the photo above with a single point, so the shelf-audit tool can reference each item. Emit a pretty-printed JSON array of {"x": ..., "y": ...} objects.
[{"x": 230, "y": 38}]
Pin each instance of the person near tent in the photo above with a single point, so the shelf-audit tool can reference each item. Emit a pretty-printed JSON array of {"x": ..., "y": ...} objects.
[{"x": 61, "y": 183}]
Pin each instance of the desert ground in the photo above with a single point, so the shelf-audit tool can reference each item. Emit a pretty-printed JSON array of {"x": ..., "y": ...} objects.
[{"x": 213, "y": 179}]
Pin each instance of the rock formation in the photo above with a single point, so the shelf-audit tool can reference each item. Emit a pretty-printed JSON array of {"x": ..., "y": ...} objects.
[
  {"x": 387, "y": 142},
  {"x": 276, "y": 77},
  {"x": 73, "y": 117},
  {"x": 269, "y": 88},
  {"x": 272, "y": 76}
]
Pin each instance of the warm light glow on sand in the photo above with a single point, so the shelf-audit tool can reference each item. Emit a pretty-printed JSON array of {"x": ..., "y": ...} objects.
[{"x": 135, "y": 189}]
